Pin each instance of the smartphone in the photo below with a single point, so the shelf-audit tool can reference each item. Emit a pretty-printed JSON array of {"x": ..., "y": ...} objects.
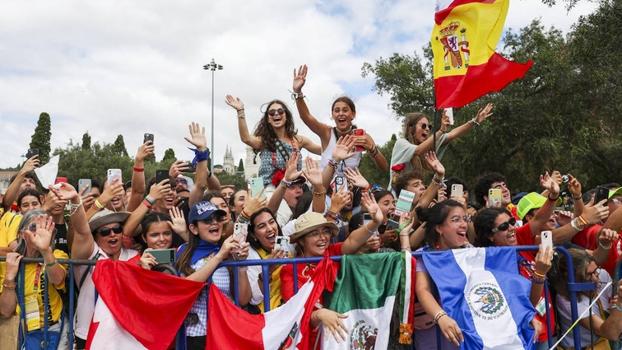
[
  {"x": 148, "y": 137},
  {"x": 359, "y": 132},
  {"x": 84, "y": 186},
  {"x": 163, "y": 256},
  {"x": 341, "y": 183},
  {"x": 240, "y": 231},
  {"x": 281, "y": 243},
  {"x": 114, "y": 174},
  {"x": 255, "y": 186},
  {"x": 32, "y": 152},
  {"x": 161, "y": 175},
  {"x": 601, "y": 193},
  {"x": 392, "y": 224},
  {"x": 546, "y": 239},
  {"x": 495, "y": 198},
  {"x": 450, "y": 115},
  {"x": 404, "y": 202},
  {"x": 457, "y": 191}
]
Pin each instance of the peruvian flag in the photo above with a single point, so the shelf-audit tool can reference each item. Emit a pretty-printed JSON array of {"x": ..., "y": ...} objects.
[
  {"x": 284, "y": 328},
  {"x": 138, "y": 308}
]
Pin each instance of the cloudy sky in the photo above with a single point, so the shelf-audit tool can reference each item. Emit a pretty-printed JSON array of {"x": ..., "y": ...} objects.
[{"x": 128, "y": 67}]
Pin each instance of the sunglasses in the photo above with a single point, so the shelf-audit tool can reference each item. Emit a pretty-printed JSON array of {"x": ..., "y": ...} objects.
[
  {"x": 213, "y": 219},
  {"x": 108, "y": 230},
  {"x": 504, "y": 226},
  {"x": 274, "y": 112}
]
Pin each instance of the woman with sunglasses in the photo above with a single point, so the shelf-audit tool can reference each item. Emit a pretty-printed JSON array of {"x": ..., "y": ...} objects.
[
  {"x": 203, "y": 248},
  {"x": 604, "y": 321},
  {"x": 343, "y": 113},
  {"x": 496, "y": 227},
  {"x": 35, "y": 240},
  {"x": 275, "y": 138},
  {"x": 417, "y": 140},
  {"x": 446, "y": 228}
]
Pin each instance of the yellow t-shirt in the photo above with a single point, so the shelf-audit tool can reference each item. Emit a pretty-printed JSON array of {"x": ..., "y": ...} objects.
[
  {"x": 275, "y": 284},
  {"x": 9, "y": 224},
  {"x": 33, "y": 294}
]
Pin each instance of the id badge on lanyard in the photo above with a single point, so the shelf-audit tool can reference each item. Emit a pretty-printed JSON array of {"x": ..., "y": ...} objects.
[{"x": 31, "y": 303}]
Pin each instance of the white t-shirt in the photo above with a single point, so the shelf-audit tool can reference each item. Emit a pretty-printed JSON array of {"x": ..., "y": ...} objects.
[
  {"x": 86, "y": 297},
  {"x": 563, "y": 309}
]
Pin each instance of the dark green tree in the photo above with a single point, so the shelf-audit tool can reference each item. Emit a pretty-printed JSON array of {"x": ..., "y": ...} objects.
[
  {"x": 86, "y": 141},
  {"x": 40, "y": 139},
  {"x": 169, "y": 156},
  {"x": 241, "y": 166},
  {"x": 237, "y": 180},
  {"x": 119, "y": 146},
  {"x": 369, "y": 169}
]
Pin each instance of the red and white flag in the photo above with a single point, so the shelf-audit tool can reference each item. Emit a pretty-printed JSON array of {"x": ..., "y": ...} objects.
[
  {"x": 284, "y": 328},
  {"x": 138, "y": 308}
]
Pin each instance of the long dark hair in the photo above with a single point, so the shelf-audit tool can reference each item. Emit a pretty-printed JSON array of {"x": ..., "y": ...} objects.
[
  {"x": 183, "y": 263},
  {"x": 434, "y": 217},
  {"x": 484, "y": 223},
  {"x": 558, "y": 275},
  {"x": 148, "y": 220},
  {"x": 252, "y": 238},
  {"x": 265, "y": 130}
]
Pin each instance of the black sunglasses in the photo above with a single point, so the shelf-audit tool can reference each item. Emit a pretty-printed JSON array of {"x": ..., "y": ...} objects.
[
  {"x": 108, "y": 230},
  {"x": 274, "y": 112},
  {"x": 504, "y": 226},
  {"x": 426, "y": 126}
]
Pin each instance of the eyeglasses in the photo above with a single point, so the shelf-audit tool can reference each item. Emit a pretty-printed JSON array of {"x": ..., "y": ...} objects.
[
  {"x": 324, "y": 231},
  {"x": 594, "y": 273},
  {"x": 457, "y": 219},
  {"x": 504, "y": 226},
  {"x": 108, "y": 230},
  {"x": 274, "y": 112},
  {"x": 213, "y": 219}
]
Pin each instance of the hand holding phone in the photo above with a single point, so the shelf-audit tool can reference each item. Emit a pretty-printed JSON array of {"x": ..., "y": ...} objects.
[
  {"x": 359, "y": 132},
  {"x": 148, "y": 137},
  {"x": 84, "y": 186},
  {"x": 161, "y": 175},
  {"x": 457, "y": 191},
  {"x": 240, "y": 231},
  {"x": 163, "y": 256}
]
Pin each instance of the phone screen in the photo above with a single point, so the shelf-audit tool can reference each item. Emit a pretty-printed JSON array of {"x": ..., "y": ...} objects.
[
  {"x": 546, "y": 238},
  {"x": 601, "y": 193},
  {"x": 114, "y": 174}
]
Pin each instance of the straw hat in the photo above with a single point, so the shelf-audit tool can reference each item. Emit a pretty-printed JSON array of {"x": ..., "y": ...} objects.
[{"x": 309, "y": 222}]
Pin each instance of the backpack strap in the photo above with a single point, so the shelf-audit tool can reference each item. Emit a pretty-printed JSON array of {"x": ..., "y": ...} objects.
[{"x": 88, "y": 269}]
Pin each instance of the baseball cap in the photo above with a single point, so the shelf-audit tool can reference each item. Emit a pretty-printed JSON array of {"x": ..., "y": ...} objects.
[
  {"x": 530, "y": 201},
  {"x": 204, "y": 210}
]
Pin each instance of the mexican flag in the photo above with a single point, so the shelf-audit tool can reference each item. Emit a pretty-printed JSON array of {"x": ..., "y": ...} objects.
[
  {"x": 138, "y": 308},
  {"x": 376, "y": 293},
  {"x": 284, "y": 328}
]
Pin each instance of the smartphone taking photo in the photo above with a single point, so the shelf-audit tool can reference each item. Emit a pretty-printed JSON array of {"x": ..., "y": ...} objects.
[
  {"x": 114, "y": 174},
  {"x": 163, "y": 256}
]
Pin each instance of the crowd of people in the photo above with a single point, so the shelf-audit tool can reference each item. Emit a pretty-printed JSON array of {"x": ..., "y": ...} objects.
[{"x": 305, "y": 208}]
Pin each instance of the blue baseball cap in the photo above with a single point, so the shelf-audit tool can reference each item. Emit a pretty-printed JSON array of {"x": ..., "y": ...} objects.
[{"x": 204, "y": 210}]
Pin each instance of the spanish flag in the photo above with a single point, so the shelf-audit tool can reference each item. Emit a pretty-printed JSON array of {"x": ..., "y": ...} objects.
[{"x": 466, "y": 65}]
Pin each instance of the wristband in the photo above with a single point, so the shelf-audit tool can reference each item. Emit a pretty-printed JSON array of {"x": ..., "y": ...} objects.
[
  {"x": 147, "y": 204},
  {"x": 9, "y": 285},
  {"x": 537, "y": 280},
  {"x": 538, "y": 274},
  {"x": 332, "y": 163},
  {"x": 474, "y": 121},
  {"x": 371, "y": 232},
  {"x": 553, "y": 199},
  {"x": 616, "y": 307},
  {"x": 583, "y": 221},
  {"x": 138, "y": 170},
  {"x": 297, "y": 95},
  {"x": 199, "y": 156},
  {"x": 287, "y": 183},
  {"x": 150, "y": 199},
  {"x": 99, "y": 205},
  {"x": 439, "y": 315},
  {"x": 578, "y": 198},
  {"x": 50, "y": 264},
  {"x": 574, "y": 225},
  {"x": 332, "y": 215}
]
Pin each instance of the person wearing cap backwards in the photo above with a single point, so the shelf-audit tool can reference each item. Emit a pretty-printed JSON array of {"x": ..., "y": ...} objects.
[
  {"x": 206, "y": 226},
  {"x": 312, "y": 235}
]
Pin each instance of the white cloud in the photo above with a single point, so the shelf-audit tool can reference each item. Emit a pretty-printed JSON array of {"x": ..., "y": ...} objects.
[{"x": 129, "y": 67}]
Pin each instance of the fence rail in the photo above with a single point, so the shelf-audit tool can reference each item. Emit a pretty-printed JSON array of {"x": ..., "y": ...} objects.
[{"x": 573, "y": 286}]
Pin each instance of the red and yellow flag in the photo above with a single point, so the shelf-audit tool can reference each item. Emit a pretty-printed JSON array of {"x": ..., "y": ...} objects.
[{"x": 466, "y": 65}]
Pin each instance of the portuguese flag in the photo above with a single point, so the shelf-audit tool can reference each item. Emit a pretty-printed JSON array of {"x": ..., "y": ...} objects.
[
  {"x": 376, "y": 293},
  {"x": 464, "y": 38}
]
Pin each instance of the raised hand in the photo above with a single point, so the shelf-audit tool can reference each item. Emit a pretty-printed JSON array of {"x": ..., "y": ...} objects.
[
  {"x": 40, "y": 235},
  {"x": 548, "y": 183},
  {"x": 30, "y": 164},
  {"x": 344, "y": 148},
  {"x": 313, "y": 173},
  {"x": 291, "y": 168},
  {"x": 160, "y": 190},
  {"x": 338, "y": 200},
  {"x": 12, "y": 265},
  {"x": 253, "y": 204},
  {"x": 145, "y": 150},
  {"x": 65, "y": 191},
  {"x": 229, "y": 245},
  {"x": 544, "y": 260},
  {"x": 178, "y": 167},
  {"x": 197, "y": 136},
  {"x": 369, "y": 203},
  {"x": 355, "y": 177},
  {"x": 178, "y": 222},
  {"x": 300, "y": 76},
  {"x": 434, "y": 163},
  {"x": 484, "y": 113},
  {"x": 574, "y": 186},
  {"x": 114, "y": 189},
  {"x": 234, "y": 102},
  {"x": 606, "y": 237},
  {"x": 595, "y": 213}
]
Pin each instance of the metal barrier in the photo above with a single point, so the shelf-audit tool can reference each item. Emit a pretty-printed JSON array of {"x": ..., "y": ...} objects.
[{"x": 573, "y": 286}]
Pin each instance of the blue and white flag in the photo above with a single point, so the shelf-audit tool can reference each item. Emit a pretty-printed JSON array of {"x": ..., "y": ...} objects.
[{"x": 482, "y": 290}]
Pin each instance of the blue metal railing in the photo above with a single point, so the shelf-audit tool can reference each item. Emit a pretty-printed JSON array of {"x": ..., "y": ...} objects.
[{"x": 573, "y": 287}]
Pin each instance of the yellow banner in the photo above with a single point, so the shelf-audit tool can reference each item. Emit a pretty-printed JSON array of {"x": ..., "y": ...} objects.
[{"x": 467, "y": 36}]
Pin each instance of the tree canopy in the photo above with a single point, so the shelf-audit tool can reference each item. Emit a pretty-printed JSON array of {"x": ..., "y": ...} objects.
[{"x": 40, "y": 139}]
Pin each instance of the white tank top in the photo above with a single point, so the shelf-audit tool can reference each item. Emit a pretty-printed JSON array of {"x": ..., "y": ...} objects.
[{"x": 327, "y": 154}]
